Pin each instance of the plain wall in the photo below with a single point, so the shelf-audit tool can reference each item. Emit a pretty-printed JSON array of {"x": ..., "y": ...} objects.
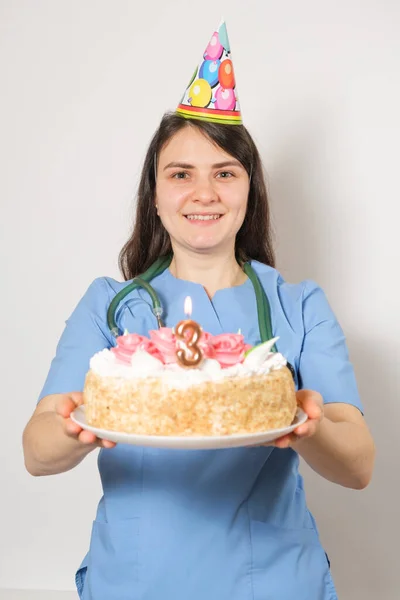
[{"x": 83, "y": 86}]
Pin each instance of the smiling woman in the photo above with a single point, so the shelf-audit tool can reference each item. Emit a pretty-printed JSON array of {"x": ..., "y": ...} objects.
[
  {"x": 225, "y": 524},
  {"x": 195, "y": 169}
]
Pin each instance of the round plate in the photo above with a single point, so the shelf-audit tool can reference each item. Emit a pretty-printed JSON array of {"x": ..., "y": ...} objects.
[{"x": 192, "y": 442}]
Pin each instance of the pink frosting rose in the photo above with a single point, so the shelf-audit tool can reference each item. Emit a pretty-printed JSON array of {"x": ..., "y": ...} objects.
[
  {"x": 128, "y": 344},
  {"x": 229, "y": 348},
  {"x": 165, "y": 342},
  {"x": 206, "y": 345}
]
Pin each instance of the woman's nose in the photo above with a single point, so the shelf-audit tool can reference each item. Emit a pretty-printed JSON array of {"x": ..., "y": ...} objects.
[{"x": 205, "y": 192}]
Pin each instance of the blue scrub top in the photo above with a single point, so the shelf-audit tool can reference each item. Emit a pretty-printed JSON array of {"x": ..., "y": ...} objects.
[{"x": 228, "y": 524}]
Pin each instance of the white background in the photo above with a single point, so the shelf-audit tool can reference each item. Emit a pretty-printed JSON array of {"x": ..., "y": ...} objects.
[{"x": 83, "y": 86}]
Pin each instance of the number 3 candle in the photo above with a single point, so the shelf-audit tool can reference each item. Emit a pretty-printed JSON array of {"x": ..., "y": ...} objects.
[{"x": 188, "y": 333}]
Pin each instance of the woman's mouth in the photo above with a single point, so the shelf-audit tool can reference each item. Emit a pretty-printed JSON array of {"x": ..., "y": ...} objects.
[{"x": 203, "y": 217}]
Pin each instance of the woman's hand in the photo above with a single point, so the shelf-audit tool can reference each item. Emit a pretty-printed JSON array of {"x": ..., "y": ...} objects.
[
  {"x": 312, "y": 404},
  {"x": 64, "y": 407},
  {"x": 343, "y": 450}
]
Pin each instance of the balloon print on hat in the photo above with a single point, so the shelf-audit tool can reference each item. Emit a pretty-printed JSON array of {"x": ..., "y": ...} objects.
[
  {"x": 200, "y": 93},
  {"x": 225, "y": 99},
  {"x": 214, "y": 49},
  {"x": 209, "y": 71},
  {"x": 226, "y": 75}
]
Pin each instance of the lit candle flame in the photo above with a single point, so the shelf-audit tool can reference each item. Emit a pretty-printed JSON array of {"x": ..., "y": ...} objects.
[{"x": 188, "y": 306}]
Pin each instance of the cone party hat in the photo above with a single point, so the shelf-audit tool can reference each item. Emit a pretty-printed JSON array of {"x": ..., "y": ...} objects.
[{"x": 211, "y": 94}]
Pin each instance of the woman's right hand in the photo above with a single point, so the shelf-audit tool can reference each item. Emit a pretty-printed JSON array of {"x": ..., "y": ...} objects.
[{"x": 65, "y": 405}]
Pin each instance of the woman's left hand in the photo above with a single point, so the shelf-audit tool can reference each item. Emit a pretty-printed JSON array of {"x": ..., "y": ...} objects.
[{"x": 312, "y": 404}]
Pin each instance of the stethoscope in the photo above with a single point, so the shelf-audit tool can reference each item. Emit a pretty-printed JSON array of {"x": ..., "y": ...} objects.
[{"x": 158, "y": 267}]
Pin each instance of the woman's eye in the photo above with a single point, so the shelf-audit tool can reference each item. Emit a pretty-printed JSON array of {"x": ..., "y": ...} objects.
[
  {"x": 225, "y": 174},
  {"x": 180, "y": 175}
]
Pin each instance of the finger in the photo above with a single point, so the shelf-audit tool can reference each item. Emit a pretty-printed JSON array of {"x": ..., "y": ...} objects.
[
  {"x": 87, "y": 437},
  {"x": 72, "y": 428},
  {"x": 65, "y": 406},
  {"x": 107, "y": 444},
  {"x": 77, "y": 397},
  {"x": 284, "y": 441},
  {"x": 311, "y": 402},
  {"x": 306, "y": 429}
]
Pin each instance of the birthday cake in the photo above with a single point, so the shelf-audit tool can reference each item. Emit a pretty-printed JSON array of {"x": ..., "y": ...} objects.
[{"x": 145, "y": 386}]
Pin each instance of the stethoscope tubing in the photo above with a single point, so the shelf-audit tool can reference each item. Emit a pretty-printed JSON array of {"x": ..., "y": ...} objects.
[{"x": 158, "y": 267}]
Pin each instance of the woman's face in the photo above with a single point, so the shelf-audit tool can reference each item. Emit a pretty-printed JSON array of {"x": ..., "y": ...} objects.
[{"x": 201, "y": 193}]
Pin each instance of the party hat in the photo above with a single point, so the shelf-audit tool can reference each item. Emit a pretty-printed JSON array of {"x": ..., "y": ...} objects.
[{"x": 211, "y": 94}]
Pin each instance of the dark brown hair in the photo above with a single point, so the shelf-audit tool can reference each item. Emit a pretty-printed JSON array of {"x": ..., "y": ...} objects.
[{"x": 150, "y": 240}]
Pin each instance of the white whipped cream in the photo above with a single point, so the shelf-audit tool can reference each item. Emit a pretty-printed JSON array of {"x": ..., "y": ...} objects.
[{"x": 259, "y": 361}]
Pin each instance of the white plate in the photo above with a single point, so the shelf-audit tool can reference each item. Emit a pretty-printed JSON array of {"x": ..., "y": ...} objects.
[{"x": 189, "y": 443}]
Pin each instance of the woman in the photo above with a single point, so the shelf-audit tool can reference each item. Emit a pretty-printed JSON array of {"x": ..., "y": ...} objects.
[{"x": 227, "y": 524}]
